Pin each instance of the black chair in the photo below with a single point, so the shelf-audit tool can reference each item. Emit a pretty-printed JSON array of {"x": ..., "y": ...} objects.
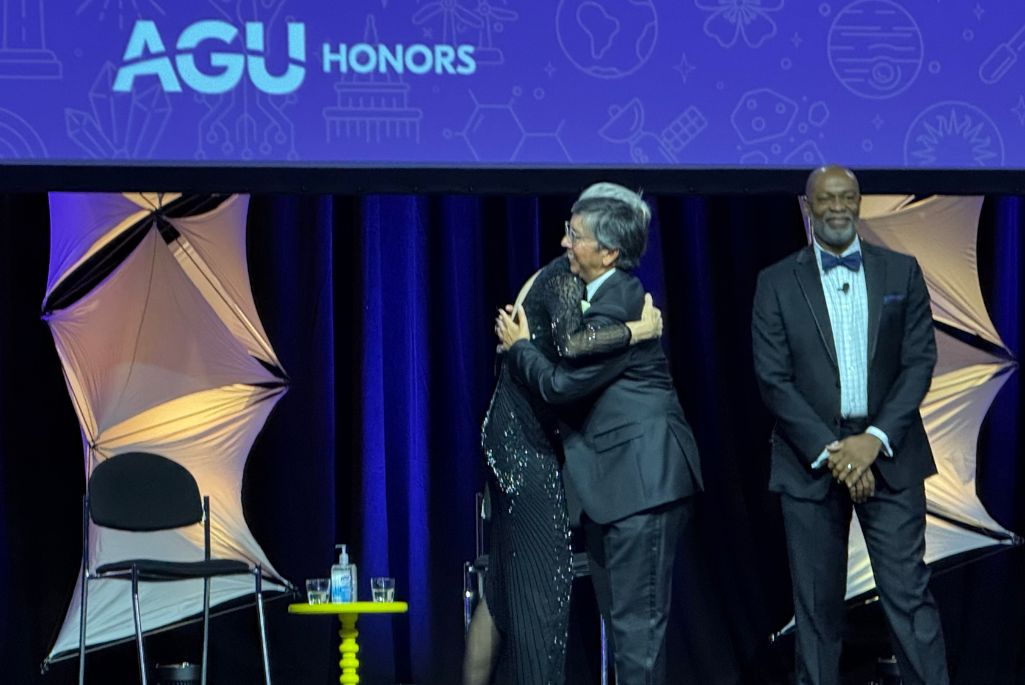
[
  {"x": 143, "y": 492},
  {"x": 475, "y": 571}
]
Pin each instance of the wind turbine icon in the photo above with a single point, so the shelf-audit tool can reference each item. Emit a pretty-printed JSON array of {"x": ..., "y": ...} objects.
[
  {"x": 494, "y": 22},
  {"x": 454, "y": 16}
]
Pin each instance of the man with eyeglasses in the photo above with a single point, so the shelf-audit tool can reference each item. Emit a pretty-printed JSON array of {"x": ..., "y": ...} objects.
[
  {"x": 844, "y": 353},
  {"x": 631, "y": 460}
]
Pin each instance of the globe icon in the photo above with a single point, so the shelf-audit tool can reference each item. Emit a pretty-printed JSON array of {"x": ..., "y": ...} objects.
[
  {"x": 875, "y": 48},
  {"x": 607, "y": 38}
]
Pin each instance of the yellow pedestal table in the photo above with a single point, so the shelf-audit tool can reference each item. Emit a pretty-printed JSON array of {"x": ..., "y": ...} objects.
[{"x": 348, "y": 613}]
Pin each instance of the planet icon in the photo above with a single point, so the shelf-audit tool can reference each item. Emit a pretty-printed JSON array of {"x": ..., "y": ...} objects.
[{"x": 875, "y": 48}]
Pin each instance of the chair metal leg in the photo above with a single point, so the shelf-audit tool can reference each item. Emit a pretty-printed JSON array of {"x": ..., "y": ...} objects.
[
  {"x": 206, "y": 627},
  {"x": 604, "y": 654},
  {"x": 81, "y": 628},
  {"x": 258, "y": 572},
  {"x": 138, "y": 625},
  {"x": 85, "y": 589},
  {"x": 468, "y": 596}
]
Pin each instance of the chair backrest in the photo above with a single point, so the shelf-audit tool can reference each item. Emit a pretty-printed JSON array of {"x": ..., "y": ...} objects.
[{"x": 139, "y": 491}]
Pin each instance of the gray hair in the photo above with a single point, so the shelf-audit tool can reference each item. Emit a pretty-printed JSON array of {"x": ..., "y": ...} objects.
[{"x": 618, "y": 218}]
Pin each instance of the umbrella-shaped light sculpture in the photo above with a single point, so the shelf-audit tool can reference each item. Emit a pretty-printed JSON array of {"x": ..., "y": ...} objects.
[{"x": 152, "y": 315}]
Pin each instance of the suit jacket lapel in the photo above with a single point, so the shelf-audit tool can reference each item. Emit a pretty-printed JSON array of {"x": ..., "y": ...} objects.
[
  {"x": 875, "y": 282},
  {"x": 608, "y": 300},
  {"x": 607, "y": 286},
  {"x": 808, "y": 279}
]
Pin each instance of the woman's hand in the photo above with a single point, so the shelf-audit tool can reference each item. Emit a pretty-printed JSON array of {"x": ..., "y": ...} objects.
[
  {"x": 649, "y": 325},
  {"x": 510, "y": 328}
]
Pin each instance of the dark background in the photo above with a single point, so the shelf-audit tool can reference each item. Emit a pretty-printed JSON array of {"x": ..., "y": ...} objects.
[{"x": 380, "y": 309}]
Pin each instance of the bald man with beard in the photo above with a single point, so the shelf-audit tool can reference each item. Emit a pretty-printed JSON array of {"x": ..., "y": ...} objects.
[{"x": 844, "y": 352}]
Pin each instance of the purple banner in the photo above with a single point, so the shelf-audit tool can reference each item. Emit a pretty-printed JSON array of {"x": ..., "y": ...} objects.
[{"x": 680, "y": 83}]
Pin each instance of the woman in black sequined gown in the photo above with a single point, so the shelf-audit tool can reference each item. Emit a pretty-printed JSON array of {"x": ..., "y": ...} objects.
[{"x": 520, "y": 626}]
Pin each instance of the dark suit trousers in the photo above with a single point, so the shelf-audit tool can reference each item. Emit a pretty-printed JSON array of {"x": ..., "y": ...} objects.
[
  {"x": 893, "y": 522},
  {"x": 632, "y": 572}
]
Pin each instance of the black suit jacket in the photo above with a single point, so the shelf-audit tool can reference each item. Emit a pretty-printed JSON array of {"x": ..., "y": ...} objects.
[
  {"x": 628, "y": 447},
  {"x": 795, "y": 362}
]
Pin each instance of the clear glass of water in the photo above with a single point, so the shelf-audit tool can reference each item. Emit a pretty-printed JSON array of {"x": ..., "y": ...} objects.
[
  {"x": 318, "y": 590},
  {"x": 382, "y": 589}
]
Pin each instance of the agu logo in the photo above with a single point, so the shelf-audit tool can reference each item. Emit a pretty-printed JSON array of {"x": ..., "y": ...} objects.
[
  {"x": 146, "y": 55},
  {"x": 220, "y": 69}
]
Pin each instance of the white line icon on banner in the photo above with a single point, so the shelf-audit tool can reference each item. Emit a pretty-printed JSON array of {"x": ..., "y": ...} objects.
[{"x": 1003, "y": 57}]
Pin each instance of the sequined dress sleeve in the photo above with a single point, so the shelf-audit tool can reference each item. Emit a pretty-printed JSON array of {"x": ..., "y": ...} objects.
[{"x": 573, "y": 334}]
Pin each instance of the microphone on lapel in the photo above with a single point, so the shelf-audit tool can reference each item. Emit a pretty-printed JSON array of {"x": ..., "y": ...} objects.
[{"x": 845, "y": 288}]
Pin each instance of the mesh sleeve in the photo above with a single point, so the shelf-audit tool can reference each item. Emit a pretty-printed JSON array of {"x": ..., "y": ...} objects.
[{"x": 574, "y": 335}]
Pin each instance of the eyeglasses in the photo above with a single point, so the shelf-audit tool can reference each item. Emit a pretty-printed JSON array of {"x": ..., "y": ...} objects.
[{"x": 575, "y": 237}]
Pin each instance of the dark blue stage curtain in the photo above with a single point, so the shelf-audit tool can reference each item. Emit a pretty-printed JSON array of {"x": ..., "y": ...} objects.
[
  {"x": 381, "y": 310},
  {"x": 1005, "y": 305}
]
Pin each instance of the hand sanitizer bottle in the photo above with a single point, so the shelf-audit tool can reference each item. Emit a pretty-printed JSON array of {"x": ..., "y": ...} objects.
[{"x": 341, "y": 577}]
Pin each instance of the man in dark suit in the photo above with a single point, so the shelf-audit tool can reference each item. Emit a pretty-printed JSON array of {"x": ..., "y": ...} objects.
[
  {"x": 631, "y": 460},
  {"x": 844, "y": 352}
]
